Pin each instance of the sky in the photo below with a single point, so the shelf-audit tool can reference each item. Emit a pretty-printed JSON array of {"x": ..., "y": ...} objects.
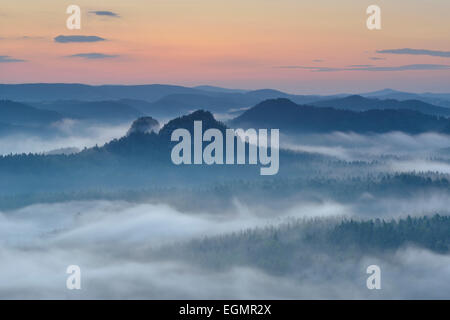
[{"x": 320, "y": 46}]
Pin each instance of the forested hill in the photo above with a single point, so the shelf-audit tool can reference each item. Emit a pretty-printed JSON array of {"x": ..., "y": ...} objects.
[
  {"x": 15, "y": 113},
  {"x": 137, "y": 159},
  {"x": 293, "y": 118},
  {"x": 359, "y": 103},
  {"x": 304, "y": 243}
]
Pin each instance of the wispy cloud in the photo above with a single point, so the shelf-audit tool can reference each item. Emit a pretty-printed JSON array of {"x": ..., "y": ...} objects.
[
  {"x": 376, "y": 58},
  {"x": 31, "y": 38},
  {"x": 105, "y": 13},
  {"x": 92, "y": 55},
  {"x": 360, "y": 66},
  {"x": 23, "y": 38},
  {"x": 407, "y": 67},
  {"x": 67, "y": 39},
  {"x": 310, "y": 68},
  {"x": 421, "y": 52},
  {"x": 7, "y": 59},
  {"x": 317, "y": 60},
  {"x": 372, "y": 68}
]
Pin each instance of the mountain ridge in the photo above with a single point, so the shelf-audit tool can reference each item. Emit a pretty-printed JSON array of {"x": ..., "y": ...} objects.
[
  {"x": 360, "y": 103},
  {"x": 291, "y": 117}
]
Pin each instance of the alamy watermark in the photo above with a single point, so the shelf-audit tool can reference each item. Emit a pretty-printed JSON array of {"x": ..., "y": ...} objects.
[
  {"x": 74, "y": 20},
  {"x": 73, "y": 281},
  {"x": 374, "y": 20},
  {"x": 235, "y": 140},
  {"x": 374, "y": 280}
]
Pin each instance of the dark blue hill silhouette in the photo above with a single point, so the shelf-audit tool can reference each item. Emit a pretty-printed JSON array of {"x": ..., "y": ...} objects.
[
  {"x": 292, "y": 118},
  {"x": 187, "y": 122},
  {"x": 148, "y": 92},
  {"x": 438, "y": 99},
  {"x": 359, "y": 103},
  {"x": 69, "y": 91},
  {"x": 20, "y": 114},
  {"x": 103, "y": 111},
  {"x": 8, "y": 129},
  {"x": 135, "y": 160},
  {"x": 223, "y": 98},
  {"x": 154, "y": 146},
  {"x": 177, "y": 104},
  {"x": 144, "y": 125},
  {"x": 157, "y": 146},
  {"x": 219, "y": 89},
  {"x": 141, "y": 161},
  {"x": 153, "y": 100}
]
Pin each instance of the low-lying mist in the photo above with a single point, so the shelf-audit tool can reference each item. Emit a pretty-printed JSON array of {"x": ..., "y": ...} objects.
[
  {"x": 139, "y": 247},
  {"x": 115, "y": 243},
  {"x": 67, "y": 133},
  {"x": 353, "y": 146}
]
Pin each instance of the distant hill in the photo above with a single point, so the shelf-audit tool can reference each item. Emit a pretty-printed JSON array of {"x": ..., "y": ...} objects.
[
  {"x": 142, "y": 160},
  {"x": 405, "y": 95},
  {"x": 63, "y": 151},
  {"x": 359, "y": 103},
  {"x": 267, "y": 93},
  {"x": 290, "y": 117},
  {"x": 148, "y": 92},
  {"x": 97, "y": 110},
  {"x": 179, "y": 104},
  {"x": 168, "y": 101},
  {"x": 38, "y": 92},
  {"x": 144, "y": 125},
  {"x": 154, "y": 147},
  {"x": 174, "y": 105},
  {"x": 14, "y": 113},
  {"x": 68, "y": 91},
  {"x": 7, "y": 129},
  {"x": 386, "y": 92},
  {"x": 437, "y": 99},
  {"x": 153, "y": 100},
  {"x": 143, "y": 106},
  {"x": 137, "y": 160},
  {"x": 187, "y": 122},
  {"x": 219, "y": 89}
]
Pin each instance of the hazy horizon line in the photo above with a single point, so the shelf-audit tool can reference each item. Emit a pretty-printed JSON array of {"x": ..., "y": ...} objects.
[{"x": 226, "y": 88}]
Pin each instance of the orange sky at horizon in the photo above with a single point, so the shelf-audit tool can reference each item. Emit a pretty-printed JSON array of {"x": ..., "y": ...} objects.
[{"x": 238, "y": 44}]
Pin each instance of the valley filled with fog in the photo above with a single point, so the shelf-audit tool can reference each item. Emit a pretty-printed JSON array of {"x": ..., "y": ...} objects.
[
  {"x": 73, "y": 135},
  {"x": 99, "y": 192},
  {"x": 125, "y": 251}
]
